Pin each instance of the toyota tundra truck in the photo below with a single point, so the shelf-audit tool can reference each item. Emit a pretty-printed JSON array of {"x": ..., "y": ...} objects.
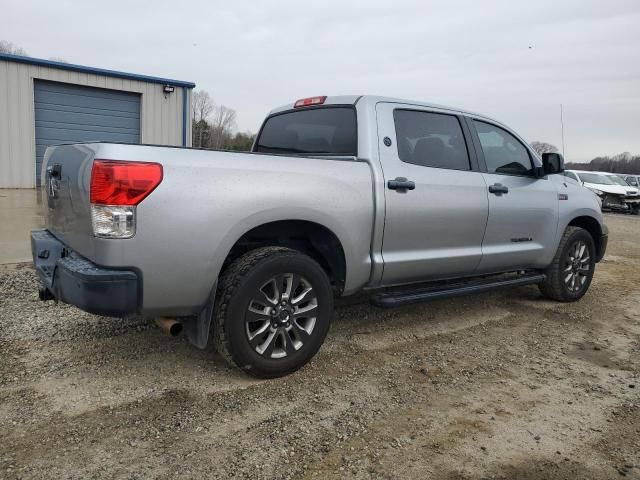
[{"x": 246, "y": 251}]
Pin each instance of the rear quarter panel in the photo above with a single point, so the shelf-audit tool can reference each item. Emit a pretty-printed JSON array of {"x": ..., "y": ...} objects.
[{"x": 208, "y": 200}]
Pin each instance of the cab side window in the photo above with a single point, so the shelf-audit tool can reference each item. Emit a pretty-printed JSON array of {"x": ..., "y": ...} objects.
[
  {"x": 503, "y": 153},
  {"x": 430, "y": 140}
]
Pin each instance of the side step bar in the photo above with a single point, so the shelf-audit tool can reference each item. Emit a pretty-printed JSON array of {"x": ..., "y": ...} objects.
[{"x": 390, "y": 299}]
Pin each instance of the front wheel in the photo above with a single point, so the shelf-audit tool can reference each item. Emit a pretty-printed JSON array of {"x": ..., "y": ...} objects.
[
  {"x": 273, "y": 311},
  {"x": 571, "y": 272}
]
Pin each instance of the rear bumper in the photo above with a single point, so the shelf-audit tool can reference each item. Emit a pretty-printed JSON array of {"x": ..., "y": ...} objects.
[{"x": 72, "y": 279}]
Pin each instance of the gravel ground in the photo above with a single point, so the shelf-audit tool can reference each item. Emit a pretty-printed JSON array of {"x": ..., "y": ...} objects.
[{"x": 503, "y": 385}]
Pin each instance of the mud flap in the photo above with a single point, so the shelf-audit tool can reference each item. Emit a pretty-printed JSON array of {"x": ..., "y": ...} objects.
[{"x": 196, "y": 329}]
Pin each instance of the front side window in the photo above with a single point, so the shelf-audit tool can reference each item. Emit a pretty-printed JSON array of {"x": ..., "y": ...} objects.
[
  {"x": 430, "y": 140},
  {"x": 503, "y": 153}
]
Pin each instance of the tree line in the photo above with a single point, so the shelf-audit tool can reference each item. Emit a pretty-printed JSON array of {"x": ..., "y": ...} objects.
[
  {"x": 621, "y": 163},
  {"x": 214, "y": 125}
]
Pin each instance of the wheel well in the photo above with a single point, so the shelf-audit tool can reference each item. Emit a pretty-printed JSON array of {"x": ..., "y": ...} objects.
[
  {"x": 309, "y": 238},
  {"x": 592, "y": 226}
]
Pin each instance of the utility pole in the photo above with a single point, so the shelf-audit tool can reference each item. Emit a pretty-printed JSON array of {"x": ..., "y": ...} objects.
[{"x": 562, "y": 129}]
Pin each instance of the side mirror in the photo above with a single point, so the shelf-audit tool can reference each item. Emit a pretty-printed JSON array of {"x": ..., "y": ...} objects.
[{"x": 552, "y": 163}]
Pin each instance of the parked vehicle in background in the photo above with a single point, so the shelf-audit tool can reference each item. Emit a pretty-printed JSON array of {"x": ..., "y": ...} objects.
[
  {"x": 612, "y": 196},
  {"x": 632, "y": 198},
  {"x": 340, "y": 195},
  {"x": 633, "y": 180}
]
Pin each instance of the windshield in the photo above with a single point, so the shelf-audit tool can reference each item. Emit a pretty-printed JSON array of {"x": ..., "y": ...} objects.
[
  {"x": 595, "y": 178},
  {"x": 327, "y": 130},
  {"x": 618, "y": 180}
]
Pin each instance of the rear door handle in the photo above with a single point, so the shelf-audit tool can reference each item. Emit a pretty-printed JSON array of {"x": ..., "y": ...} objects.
[
  {"x": 401, "y": 184},
  {"x": 498, "y": 189}
]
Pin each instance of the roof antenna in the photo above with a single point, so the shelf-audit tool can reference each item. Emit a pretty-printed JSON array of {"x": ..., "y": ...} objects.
[{"x": 562, "y": 129}]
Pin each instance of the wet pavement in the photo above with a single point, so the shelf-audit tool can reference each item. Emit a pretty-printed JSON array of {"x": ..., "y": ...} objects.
[{"x": 19, "y": 214}]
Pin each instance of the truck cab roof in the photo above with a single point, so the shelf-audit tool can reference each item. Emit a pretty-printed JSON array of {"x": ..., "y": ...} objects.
[{"x": 374, "y": 99}]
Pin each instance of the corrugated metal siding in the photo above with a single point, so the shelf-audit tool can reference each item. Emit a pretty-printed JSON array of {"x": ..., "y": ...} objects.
[
  {"x": 68, "y": 113},
  {"x": 160, "y": 116}
]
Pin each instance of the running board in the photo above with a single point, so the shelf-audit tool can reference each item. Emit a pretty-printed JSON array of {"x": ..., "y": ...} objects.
[{"x": 397, "y": 298}]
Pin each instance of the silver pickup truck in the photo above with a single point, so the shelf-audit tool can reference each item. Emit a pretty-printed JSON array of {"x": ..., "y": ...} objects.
[{"x": 407, "y": 200}]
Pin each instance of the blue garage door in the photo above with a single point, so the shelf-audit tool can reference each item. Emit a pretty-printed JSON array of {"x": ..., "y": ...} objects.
[{"x": 70, "y": 113}]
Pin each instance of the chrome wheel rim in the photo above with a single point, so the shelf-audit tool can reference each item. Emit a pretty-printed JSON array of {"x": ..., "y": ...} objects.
[
  {"x": 577, "y": 266},
  {"x": 281, "y": 316}
]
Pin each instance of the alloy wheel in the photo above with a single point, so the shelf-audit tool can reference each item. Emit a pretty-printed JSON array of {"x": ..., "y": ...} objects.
[
  {"x": 281, "y": 316},
  {"x": 576, "y": 266}
]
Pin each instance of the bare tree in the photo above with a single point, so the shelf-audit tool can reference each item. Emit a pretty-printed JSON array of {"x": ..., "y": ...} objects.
[
  {"x": 544, "y": 147},
  {"x": 201, "y": 108},
  {"x": 222, "y": 124},
  {"x": 213, "y": 125},
  {"x": 12, "y": 48},
  {"x": 201, "y": 104}
]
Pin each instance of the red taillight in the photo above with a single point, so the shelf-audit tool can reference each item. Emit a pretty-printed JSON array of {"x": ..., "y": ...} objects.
[
  {"x": 123, "y": 183},
  {"x": 307, "y": 102}
]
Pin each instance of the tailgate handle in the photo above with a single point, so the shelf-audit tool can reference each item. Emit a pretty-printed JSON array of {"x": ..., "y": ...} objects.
[{"x": 54, "y": 171}]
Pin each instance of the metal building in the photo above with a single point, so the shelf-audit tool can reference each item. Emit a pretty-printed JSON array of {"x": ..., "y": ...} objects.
[{"x": 44, "y": 102}]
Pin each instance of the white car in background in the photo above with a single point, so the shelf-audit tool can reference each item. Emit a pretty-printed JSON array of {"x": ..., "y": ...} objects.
[
  {"x": 612, "y": 195},
  {"x": 632, "y": 198}
]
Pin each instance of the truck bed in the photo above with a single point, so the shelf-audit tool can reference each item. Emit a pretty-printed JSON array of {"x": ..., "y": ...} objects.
[{"x": 205, "y": 202}]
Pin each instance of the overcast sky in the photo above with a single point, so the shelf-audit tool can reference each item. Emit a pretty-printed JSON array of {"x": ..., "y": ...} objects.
[{"x": 516, "y": 61}]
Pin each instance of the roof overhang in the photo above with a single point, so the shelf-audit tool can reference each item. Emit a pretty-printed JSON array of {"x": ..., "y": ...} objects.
[{"x": 95, "y": 71}]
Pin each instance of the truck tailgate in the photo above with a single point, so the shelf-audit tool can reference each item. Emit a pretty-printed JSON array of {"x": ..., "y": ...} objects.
[{"x": 66, "y": 175}]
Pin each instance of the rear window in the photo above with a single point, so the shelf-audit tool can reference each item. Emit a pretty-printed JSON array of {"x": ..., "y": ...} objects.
[{"x": 327, "y": 130}]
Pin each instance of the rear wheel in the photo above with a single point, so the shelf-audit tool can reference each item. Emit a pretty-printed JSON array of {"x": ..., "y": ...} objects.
[
  {"x": 571, "y": 272},
  {"x": 273, "y": 311}
]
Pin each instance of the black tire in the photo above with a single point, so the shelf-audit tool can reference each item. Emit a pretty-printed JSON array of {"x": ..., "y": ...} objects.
[
  {"x": 241, "y": 292},
  {"x": 566, "y": 263}
]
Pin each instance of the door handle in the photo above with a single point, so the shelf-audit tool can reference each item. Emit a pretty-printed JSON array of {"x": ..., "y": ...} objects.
[
  {"x": 498, "y": 189},
  {"x": 401, "y": 184}
]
